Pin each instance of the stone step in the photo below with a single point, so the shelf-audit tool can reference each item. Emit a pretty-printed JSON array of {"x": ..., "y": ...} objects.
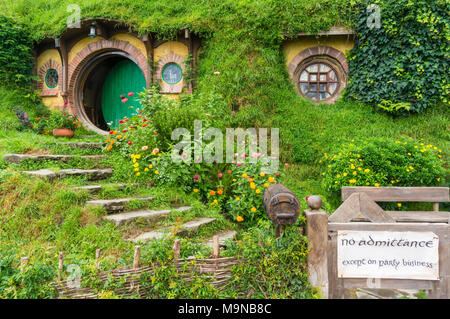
[
  {"x": 185, "y": 229},
  {"x": 18, "y": 158},
  {"x": 115, "y": 205},
  {"x": 92, "y": 174},
  {"x": 97, "y": 188},
  {"x": 150, "y": 215},
  {"x": 223, "y": 237},
  {"x": 42, "y": 173},
  {"x": 88, "y": 145}
]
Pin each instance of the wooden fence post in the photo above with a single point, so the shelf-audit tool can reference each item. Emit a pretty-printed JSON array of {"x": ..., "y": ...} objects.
[
  {"x": 176, "y": 249},
  {"x": 61, "y": 265},
  {"x": 216, "y": 247},
  {"x": 137, "y": 256},
  {"x": 97, "y": 259},
  {"x": 317, "y": 233}
]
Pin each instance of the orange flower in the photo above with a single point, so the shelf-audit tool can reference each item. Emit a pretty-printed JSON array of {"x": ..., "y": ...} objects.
[
  {"x": 220, "y": 192},
  {"x": 195, "y": 190},
  {"x": 212, "y": 193},
  {"x": 239, "y": 219}
]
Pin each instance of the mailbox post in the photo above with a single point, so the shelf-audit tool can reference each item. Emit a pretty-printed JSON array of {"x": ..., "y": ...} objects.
[{"x": 282, "y": 207}]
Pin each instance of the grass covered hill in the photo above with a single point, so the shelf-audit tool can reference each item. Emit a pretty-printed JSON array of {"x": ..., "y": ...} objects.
[{"x": 241, "y": 81}]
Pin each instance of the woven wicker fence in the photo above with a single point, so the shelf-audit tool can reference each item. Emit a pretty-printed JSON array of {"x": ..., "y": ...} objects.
[{"x": 215, "y": 269}]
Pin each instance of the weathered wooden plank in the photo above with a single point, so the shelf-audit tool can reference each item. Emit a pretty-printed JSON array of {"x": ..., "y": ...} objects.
[
  {"x": 367, "y": 226},
  {"x": 371, "y": 210},
  {"x": 335, "y": 290},
  {"x": 400, "y": 194},
  {"x": 317, "y": 233},
  {"x": 389, "y": 283},
  {"x": 347, "y": 211},
  {"x": 412, "y": 217}
]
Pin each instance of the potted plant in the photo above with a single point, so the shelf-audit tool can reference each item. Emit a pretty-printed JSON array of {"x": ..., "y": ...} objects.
[{"x": 63, "y": 123}]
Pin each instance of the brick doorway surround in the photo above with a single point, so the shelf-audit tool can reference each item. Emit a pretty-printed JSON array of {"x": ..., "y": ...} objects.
[{"x": 91, "y": 51}]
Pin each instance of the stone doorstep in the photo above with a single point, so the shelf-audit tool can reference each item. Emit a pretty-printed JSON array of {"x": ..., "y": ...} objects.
[
  {"x": 151, "y": 215},
  {"x": 223, "y": 237},
  {"x": 93, "y": 174},
  {"x": 18, "y": 158},
  {"x": 91, "y": 145},
  {"x": 188, "y": 227},
  {"x": 42, "y": 173},
  {"x": 112, "y": 205}
]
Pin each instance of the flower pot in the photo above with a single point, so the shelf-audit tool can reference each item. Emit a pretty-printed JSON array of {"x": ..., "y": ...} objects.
[{"x": 63, "y": 132}]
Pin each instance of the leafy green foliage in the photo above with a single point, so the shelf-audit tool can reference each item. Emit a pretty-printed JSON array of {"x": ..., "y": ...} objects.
[
  {"x": 15, "y": 53},
  {"x": 383, "y": 162},
  {"x": 404, "y": 61}
]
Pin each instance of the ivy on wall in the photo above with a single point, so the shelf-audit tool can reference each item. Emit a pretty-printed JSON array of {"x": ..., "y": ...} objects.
[
  {"x": 402, "y": 65},
  {"x": 15, "y": 53}
]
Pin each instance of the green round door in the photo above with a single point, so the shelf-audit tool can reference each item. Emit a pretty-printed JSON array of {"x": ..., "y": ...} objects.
[{"x": 123, "y": 78}]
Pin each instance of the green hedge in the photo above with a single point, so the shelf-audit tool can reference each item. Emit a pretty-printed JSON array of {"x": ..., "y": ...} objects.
[{"x": 15, "y": 53}]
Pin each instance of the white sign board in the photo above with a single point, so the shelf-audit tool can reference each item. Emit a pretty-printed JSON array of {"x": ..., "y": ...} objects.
[{"x": 386, "y": 254}]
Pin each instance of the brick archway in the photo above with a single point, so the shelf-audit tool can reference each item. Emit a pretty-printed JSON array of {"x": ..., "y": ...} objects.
[
  {"x": 91, "y": 51},
  {"x": 50, "y": 64},
  {"x": 317, "y": 51}
]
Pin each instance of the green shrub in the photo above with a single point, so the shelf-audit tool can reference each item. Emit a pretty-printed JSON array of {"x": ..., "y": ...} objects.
[
  {"x": 403, "y": 65},
  {"x": 15, "y": 53},
  {"x": 383, "y": 162}
]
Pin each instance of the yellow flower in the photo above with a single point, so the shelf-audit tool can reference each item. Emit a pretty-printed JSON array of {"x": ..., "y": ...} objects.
[
  {"x": 156, "y": 172},
  {"x": 237, "y": 198},
  {"x": 352, "y": 181},
  {"x": 399, "y": 204},
  {"x": 345, "y": 174},
  {"x": 138, "y": 174},
  {"x": 271, "y": 179},
  {"x": 138, "y": 156},
  {"x": 377, "y": 185},
  {"x": 352, "y": 166},
  {"x": 392, "y": 182},
  {"x": 258, "y": 191},
  {"x": 244, "y": 175},
  {"x": 253, "y": 209},
  {"x": 323, "y": 173},
  {"x": 366, "y": 170},
  {"x": 252, "y": 185},
  {"x": 359, "y": 169},
  {"x": 354, "y": 173},
  {"x": 195, "y": 190},
  {"x": 239, "y": 219},
  {"x": 150, "y": 166},
  {"x": 338, "y": 175},
  {"x": 136, "y": 169},
  {"x": 250, "y": 180},
  {"x": 266, "y": 185},
  {"x": 119, "y": 136},
  {"x": 234, "y": 179},
  {"x": 146, "y": 169},
  {"x": 159, "y": 154},
  {"x": 136, "y": 164},
  {"x": 262, "y": 174}
]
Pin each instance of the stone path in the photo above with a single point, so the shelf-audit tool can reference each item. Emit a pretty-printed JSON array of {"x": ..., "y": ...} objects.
[{"x": 117, "y": 208}]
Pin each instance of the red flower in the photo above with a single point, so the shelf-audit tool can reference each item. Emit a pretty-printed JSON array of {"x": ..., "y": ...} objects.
[
  {"x": 156, "y": 133},
  {"x": 121, "y": 122},
  {"x": 124, "y": 131},
  {"x": 130, "y": 142},
  {"x": 130, "y": 94},
  {"x": 144, "y": 125},
  {"x": 306, "y": 198},
  {"x": 110, "y": 132},
  {"x": 126, "y": 120},
  {"x": 125, "y": 100}
]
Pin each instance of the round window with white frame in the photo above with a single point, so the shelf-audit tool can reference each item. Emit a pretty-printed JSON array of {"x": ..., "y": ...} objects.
[{"x": 320, "y": 79}]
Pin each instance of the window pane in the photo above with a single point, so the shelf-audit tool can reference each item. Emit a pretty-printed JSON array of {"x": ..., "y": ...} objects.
[
  {"x": 324, "y": 68},
  {"x": 313, "y": 77},
  {"x": 332, "y": 87},
  {"x": 304, "y": 87},
  {"x": 304, "y": 76},
  {"x": 312, "y": 68},
  {"x": 312, "y": 87}
]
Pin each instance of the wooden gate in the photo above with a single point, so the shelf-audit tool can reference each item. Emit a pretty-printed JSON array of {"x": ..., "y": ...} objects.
[{"x": 359, "y": 212}]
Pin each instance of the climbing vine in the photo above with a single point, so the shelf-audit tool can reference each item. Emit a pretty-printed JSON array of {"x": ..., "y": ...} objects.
[{"x": 403, "y": 64}]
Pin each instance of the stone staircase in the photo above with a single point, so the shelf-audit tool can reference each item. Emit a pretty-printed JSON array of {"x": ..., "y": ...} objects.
[{"x": 117, "y": 209}]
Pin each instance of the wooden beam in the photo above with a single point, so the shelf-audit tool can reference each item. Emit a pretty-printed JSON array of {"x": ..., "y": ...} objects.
[{"x": 400, "y": 194}]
